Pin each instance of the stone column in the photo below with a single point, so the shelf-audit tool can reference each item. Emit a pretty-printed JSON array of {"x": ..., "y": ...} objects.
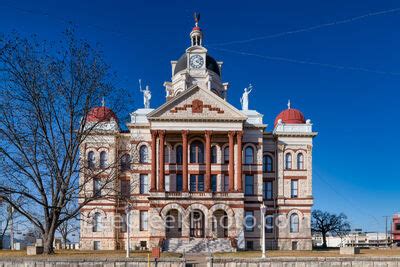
[
  {"x": 231, "y": 135},
  {"x": 185, "y": 160},
  {"x": 161, "y": 162},
  {"x": 153, "y": 161},
  {"x": 239, "y": 173},
  {"x": 207, "y": 183}
]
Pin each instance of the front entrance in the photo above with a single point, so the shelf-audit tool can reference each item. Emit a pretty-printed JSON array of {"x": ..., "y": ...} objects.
[
  {"x": 197, "y": 224},
  {"x": 220, "y": 224},
  {"x": 173, "y": 224}
]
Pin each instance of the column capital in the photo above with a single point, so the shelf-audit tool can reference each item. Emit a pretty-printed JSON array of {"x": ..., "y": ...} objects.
[
  {"x": 239, "y": 134},
  {"x": 161, "y": 132},
  {"x": 154, "y": 133},
  {"x": 208, "y": 133},
  {"x": 231, "y": 133},
  {"x": 185, "y": 132}
]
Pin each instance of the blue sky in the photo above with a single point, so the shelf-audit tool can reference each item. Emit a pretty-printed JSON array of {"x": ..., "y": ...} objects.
[{"x": 356, "y": 112}]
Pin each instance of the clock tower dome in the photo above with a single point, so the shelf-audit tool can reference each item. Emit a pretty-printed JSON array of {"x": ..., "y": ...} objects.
[{"x": 196, "y": 67}]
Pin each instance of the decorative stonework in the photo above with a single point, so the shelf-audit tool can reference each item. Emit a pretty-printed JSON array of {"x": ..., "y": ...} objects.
[{"x": 197, "y": 106}]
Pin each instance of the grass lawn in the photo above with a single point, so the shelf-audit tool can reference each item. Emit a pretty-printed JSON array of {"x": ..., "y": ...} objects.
[
  {"x": 82, "y": 254},
  {"x": 99, "y": 255},
  {"x": 313, "y": 253}
]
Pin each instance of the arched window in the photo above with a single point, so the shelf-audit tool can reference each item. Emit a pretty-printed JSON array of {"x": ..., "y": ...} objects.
[
  {"x": 288, "y": 161},
  {"x": 179, "y": 157},
  {"x": 143, "y": 154},
  {"x": 196, "y": 152},
  {"x": 226, "y": 154},
  {"x": 249, "y": 155},
  {"x": 300, "y": 161},
  {"x": 213, "y": 154},
  {"x": 267, "y": 163},
  {"x": 294, "y": 223},
  {"x": 166, "y": 154},
  {"x": 125, "y": 162},
  {"x": 96, "y": 222},
  {"x": 91, "y": 160},
  {"x": 103, "y": 159}
]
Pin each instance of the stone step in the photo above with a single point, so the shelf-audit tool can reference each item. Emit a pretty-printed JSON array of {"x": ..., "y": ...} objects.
[{"x": 197, "y": 245}]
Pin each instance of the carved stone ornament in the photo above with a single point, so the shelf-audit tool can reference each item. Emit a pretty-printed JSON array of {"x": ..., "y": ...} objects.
[{"x": 197, "y": 106}]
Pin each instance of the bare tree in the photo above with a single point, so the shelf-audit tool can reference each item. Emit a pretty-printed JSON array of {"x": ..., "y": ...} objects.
[
  {"x": 323, "y": 222},
  {"x": 47, "y": 92}
]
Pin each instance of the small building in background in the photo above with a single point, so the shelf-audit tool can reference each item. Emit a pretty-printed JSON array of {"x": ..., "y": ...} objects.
[
  {"x": 356, "y": 238},
  {"x": 396, "y": 229}
]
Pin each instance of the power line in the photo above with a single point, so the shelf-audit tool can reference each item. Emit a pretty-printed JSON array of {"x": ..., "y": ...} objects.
[
  {"x": 360, "y": 209},
  {"x": 306, "y": 62},
  {"x": 307, "y": 29},
  {"x": 69, "y": 21}
]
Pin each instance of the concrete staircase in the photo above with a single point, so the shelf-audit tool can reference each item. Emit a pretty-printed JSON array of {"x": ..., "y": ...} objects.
[{"x": 197, "y": 245}]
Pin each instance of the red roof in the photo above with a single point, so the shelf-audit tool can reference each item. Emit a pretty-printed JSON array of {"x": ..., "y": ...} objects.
[
  {"x": 101, "y": 114},
  {"x": 291, "y": 115},
  {"x": 196, "y": 28}
]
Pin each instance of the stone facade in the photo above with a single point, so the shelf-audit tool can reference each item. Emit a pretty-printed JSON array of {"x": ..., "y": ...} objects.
[{"x": 198, "y": 167}]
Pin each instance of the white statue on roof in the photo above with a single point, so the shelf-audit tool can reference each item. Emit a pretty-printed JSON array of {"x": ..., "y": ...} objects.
[
  {"x": 244, "y": 100},
  {"x": 146, "y": 94}
]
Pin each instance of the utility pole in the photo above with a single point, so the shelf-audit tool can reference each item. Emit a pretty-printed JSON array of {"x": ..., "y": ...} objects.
[
  {"x": 11, "y": 209},
  {"x": 386, "y": 229}
]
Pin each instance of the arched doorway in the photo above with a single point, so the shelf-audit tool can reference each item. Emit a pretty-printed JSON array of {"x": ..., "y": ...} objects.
[
  {"x": 220, "y": 224},
  {"x": 173, "y": 224},
  {"x": 197, "y": 224}
]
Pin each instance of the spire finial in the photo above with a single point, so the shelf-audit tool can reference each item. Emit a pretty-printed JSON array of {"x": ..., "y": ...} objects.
[
  {"x": 196, "y": 18},
  {"x": 288, "y": 104},
  {"x": 103, "y": 102}
]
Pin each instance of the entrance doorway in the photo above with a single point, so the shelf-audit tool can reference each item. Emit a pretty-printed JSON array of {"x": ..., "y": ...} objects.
[
  {"x": 197, "y": 224},
  {"x": 220, "y": 224},
  {"x": 173, "y": 224}
]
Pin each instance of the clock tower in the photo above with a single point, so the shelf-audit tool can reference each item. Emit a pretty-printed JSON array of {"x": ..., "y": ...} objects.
[{"x": 196, "y": 67}]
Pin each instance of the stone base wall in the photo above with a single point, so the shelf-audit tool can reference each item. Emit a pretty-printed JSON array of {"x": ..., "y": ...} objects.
[
  {"x": 287, "y": 244},
  {"x": 306, "y": 261},
  {"x": 163, "y": 262}
]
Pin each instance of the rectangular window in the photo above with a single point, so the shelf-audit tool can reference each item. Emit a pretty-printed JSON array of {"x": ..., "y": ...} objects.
[
  {"x": 294, "y": 185},
  {"x": 397, "y": 226},
  {"x": 226, "y": 183},
  {"x": 96, "y": 187},
  {"x": 249, "y": 185},
  {"x": 214, "y": 182},
  {"x": 268, "y": 190},
  {"x": 125, "y": 188},
  {"x": 294, "y": 245},
  {"x": 249, "y": 220},
  {"x": 200, "y": 183},
  {"x": 192, "y": 183},
  {"x": 226, "y": 155},
  {"x": 167, "y": 183},
  {"x": 143, "y": 220},
  {"x": 269, "y": 224},
  {"x": 123, "y": 223},
  {"x": 197, "y": 183},
  {"x": 249, "y": 245},
  {"x": 144, "y": 184},
  {"x": 179, "y": 183},
  {"x": 96, "y": 245}
]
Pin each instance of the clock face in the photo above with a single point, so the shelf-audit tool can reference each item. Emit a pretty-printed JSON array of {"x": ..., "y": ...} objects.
[{"x": 196, "y": 61}]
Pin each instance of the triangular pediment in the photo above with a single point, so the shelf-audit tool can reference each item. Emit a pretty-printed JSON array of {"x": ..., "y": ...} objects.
[{"x": 197, "y": 103}]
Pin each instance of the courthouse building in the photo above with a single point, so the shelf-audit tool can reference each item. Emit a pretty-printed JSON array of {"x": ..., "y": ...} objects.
[{"x": 197, "y": 169}]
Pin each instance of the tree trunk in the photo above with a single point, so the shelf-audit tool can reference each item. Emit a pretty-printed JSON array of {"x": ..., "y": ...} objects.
[
  {"x": 48, "y": 240},
  {"x": 324, "y": 240},
  {"x": 64, "y": 237}
]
